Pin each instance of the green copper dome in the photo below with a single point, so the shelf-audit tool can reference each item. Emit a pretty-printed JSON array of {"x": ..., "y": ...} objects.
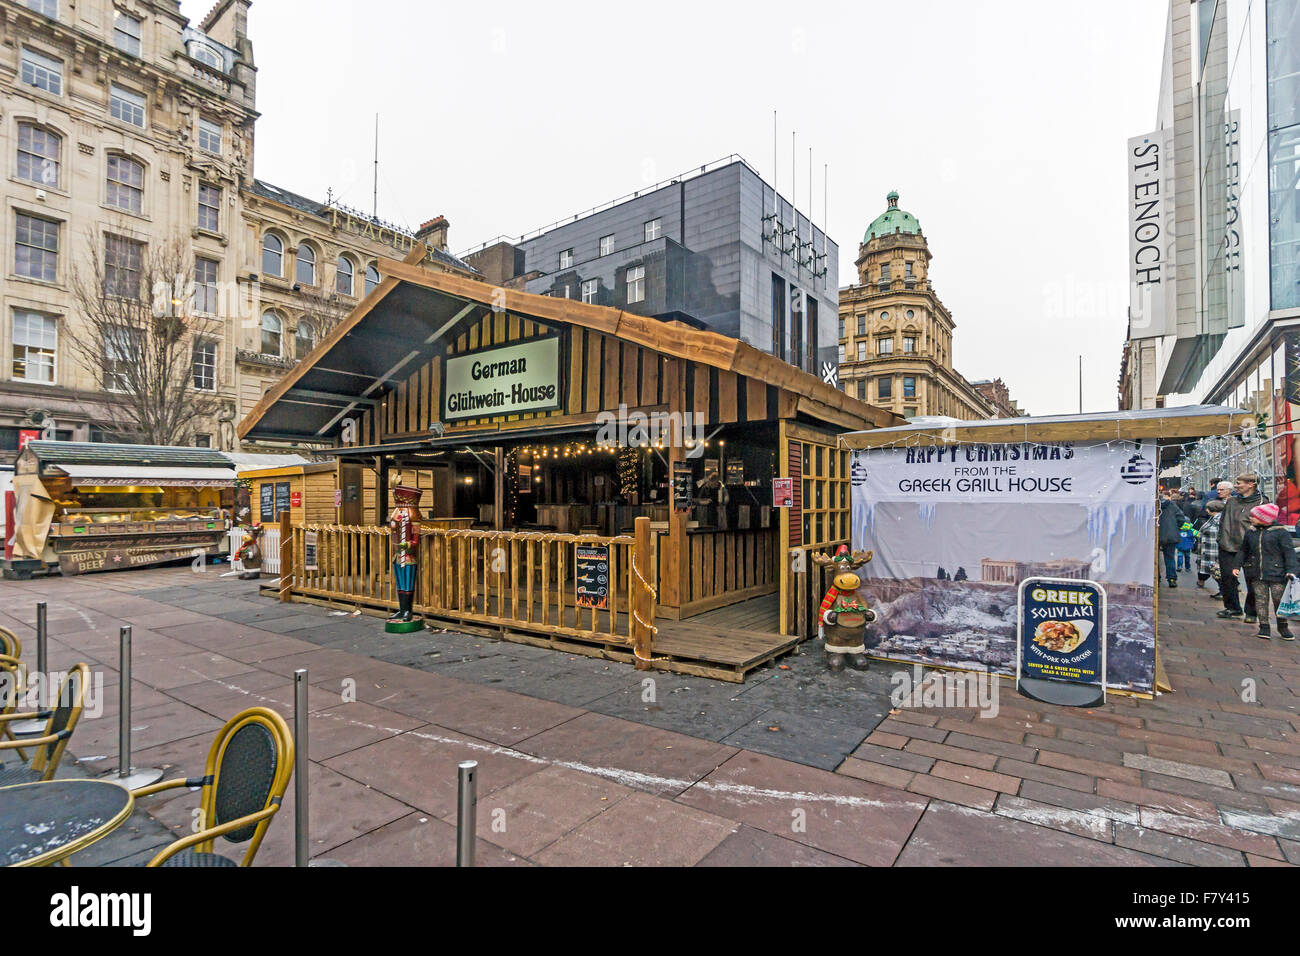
[{"x": 892, "y": 220}]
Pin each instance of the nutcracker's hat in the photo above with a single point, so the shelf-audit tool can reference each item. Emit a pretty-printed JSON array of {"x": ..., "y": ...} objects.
[
  {"x": 406, "y": 494},
  {"x": 842, "y": 554}
]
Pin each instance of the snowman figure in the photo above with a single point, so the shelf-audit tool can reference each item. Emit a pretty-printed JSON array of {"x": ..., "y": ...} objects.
[{"x": 844, "y": 614}]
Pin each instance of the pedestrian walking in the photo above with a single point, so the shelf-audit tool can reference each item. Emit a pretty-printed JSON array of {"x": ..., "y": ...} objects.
[
  {"x": 1207, "y": 547},
  {"x": 1168, "y": 535},
  {"x": 1239, "y": 498},
  {"x": 1268, "y": 561}
]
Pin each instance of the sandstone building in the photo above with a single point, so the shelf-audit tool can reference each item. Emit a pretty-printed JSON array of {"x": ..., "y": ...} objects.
[
  {"x": 123, "y": 127},
  {"x": 895, "y": 342}
]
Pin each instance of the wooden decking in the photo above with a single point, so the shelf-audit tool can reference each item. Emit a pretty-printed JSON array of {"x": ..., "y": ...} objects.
[{"x": 724, "y": 644}]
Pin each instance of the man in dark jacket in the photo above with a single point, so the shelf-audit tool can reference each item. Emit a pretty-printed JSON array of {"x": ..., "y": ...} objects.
[
  {"x": 1168, "y": 535},
  {"x": 1268, "y": 561},
  {"x": 1232, "y": 530}
]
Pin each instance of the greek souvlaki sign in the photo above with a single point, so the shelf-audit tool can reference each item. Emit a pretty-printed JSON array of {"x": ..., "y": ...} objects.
[
  {"x": 524, "y": 377},
  {"x": 1024, "y": 472}
]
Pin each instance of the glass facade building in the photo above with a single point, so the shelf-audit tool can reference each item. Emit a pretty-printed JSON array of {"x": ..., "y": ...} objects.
[
  {"x": 716, "y": 248},
  {"x": 1243, "y": 214}
]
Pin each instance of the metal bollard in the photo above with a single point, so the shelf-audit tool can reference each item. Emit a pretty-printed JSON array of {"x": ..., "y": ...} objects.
[
  {"x": 466, "y": 812},
  {"x": 42, "y": 655},
  {"x": 300, "y": 808},
  {"x": 127, "y": 775},
  {"x": 44, "y": 696}
]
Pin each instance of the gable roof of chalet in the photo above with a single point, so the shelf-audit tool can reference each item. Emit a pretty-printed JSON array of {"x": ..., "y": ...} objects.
[{"x": 407, "y": 318}]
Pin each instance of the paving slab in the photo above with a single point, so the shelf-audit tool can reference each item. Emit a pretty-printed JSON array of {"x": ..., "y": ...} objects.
[
  {"x": 641, "y": 830},
  {"x": 750, "y": 847},
  {"x": 645, "y": 758},
  {"x": 949, "y": 835},
  {"x": 814, "y": 741},
  {"x": 416, "y": 839},
  {"x": 852, "y": 818}
]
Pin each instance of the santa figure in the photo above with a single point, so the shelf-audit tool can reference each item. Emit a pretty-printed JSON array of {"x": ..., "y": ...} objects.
[
  {"x": 844, "y": 615},
  {"x": 404, "y": 520}
]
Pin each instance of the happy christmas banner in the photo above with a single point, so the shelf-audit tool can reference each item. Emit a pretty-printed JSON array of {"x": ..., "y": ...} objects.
[{"x": 955, "y": 529}]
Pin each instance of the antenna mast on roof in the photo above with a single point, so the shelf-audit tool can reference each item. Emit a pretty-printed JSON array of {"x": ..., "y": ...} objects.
[{"x": 376, "y": 193}]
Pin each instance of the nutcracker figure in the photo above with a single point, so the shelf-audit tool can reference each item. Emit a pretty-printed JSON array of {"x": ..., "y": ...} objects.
[
  {"x": 249, "y": 554},
  {"x": 405, "y": 524},
  {"x": 844, "y": 615}
]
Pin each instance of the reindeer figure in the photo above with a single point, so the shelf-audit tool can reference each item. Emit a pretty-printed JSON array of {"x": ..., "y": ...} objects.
[
  {"x": 250, "y": 554},
  {"x": 844, "y": 615}
]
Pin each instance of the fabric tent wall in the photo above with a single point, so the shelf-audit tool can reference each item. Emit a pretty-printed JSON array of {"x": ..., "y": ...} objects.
[{"x": 956, "y": 528}]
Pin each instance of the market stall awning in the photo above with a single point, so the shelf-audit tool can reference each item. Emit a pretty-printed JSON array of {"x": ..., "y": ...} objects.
[
  {"x": 127, "y": 475},
  {"x": 1159, "y": 424},
  {"x": 408, "y": 319}
]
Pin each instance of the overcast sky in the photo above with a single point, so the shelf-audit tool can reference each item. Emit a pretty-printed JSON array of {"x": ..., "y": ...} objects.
[{"x": 1001, "y": 124}]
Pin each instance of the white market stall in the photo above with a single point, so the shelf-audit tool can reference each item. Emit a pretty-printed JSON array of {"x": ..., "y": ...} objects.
[{"x": 960, "y": 513}]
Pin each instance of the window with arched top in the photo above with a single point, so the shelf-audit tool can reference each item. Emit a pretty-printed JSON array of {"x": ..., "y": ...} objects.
[
  {"x": 272, "y": 331},
  {"x": 372, "y": 278},
  {"x": 273, "y": 255},
  {"x": 38, "y": 155},
  {"x": 343, "y": 276},
  {"x": 306, "y": 273},
  {"x": 305, "y": 340}
]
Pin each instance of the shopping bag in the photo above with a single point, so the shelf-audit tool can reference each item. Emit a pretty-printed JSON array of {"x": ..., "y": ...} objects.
[{"x": 1289, "y": 606}]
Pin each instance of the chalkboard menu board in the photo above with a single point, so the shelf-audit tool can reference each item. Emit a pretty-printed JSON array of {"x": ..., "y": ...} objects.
[
  {"x": 282, "y": 499},
  {"x": 267, "y": 511},
  {"x": 683, "y": 486},
  {"x": 592, "y": 576}
]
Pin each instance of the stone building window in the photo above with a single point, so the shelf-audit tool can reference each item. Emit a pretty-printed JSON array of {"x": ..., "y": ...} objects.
[
  {"x": 305, "y": 340},
  {"x": 126, "y": 33},
  {"x": 862, "y": 351},
  {"x": 566, "y": 258},
  {"x": 209, "y": 208},
  {"x": 343, "y": 276},
  {"x": 606, "y": 244},
  {"x": 205, "y": 285},
  {"x": 885, "y": 346},
  {"x": 884, "y": 388},
  {"x": 372, "y": 278},
  {"x": 36, "y": 247},
  {"x": 205, "y": 365},
  {"x": 306, "y": 270},
  {"x": 126, "y": 105},
  {"x": 42, "y": 72},
  {"x": 209, "y": 137},
  {"x": 38, "y": 155},
  {"x": 272, "y": 328},
  {"x": 36, "y": 345},
  {"x": 123, "y": 265},
  {"x": 125, "y": 184},
  {"x": 272, "y": 255},
  {"x": 652, "y": 229},
  {"x": 909, "y": 387},
  {"x": 909, "y": 344}
]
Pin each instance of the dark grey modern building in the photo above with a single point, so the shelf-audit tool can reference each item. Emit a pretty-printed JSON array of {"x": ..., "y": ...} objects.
[{"x": 715, "y": 247}]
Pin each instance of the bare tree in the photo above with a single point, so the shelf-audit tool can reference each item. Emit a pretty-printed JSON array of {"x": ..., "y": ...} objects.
[
  {"x": 142, "y": 325},
  {"x": 323, "y": 308}
]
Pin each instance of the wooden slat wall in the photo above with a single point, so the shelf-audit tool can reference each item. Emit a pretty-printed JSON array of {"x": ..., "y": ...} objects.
[{"x": 602, "y": 370}]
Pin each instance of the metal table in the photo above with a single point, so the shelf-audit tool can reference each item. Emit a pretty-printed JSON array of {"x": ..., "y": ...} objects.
[{"x": 47, "y": 821}]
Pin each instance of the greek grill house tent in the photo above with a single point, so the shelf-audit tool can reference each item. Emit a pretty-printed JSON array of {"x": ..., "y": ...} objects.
[
  {"x": 959, "y": 513},
  {"x": 550, "y": 426}
]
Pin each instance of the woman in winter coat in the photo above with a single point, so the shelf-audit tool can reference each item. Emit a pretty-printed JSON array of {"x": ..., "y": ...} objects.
[{"x": 1269, "y": 559}]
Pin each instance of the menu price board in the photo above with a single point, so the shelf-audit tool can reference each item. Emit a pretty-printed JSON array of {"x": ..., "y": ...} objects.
[
  {"x": 1061, "y": 641},
  {"x": 267, "y": 503},
  {"x": 683, "y": 486},
  {"x": 592, "y": 576},
  {"x": 309, "y": 551},
  {"x": 282, "y": 499}
]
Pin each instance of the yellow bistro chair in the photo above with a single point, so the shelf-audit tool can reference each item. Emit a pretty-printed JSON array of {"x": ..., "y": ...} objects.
[
  {"x": 247, "y": 773},
  {"x": 50, "y": 745},
  {"x": 10, "y": 646}
]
